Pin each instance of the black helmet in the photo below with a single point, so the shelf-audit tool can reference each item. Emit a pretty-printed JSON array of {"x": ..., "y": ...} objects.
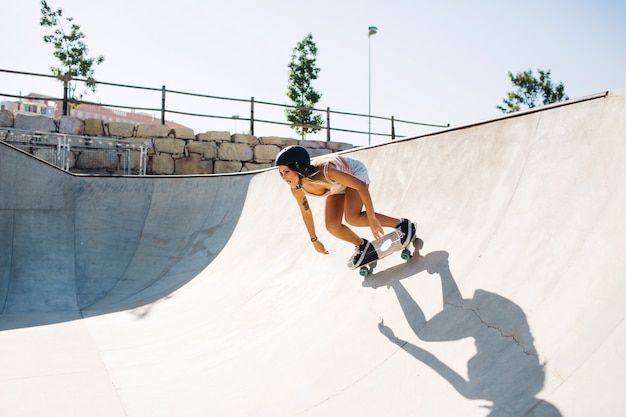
[{"x": 296, "y": 157}]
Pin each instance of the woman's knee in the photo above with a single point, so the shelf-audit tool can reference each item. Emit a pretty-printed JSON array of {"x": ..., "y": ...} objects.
[
  {"x": 333, "y": 227},
  {"x": 355, "y": 218}
]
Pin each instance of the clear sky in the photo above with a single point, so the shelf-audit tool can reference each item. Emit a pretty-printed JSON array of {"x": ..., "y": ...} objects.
[{"x": 431, "y": 61}]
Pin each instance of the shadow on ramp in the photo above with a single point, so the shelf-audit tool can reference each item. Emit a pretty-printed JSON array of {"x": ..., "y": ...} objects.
[{"x": 505, "y": 370}]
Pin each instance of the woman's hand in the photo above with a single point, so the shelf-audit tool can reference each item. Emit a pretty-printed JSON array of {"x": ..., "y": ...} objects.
[
  {"x": 377, "y": 228},
  {"x": 319, "y": 246}
]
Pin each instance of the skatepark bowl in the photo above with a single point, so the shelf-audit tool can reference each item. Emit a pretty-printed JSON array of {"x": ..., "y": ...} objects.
[{"x": 202, "y": 295}]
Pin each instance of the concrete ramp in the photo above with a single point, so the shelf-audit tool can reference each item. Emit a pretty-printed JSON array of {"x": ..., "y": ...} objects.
[
  {"x": 83, "y": 243},
  {"x": 201, "y": 296}
]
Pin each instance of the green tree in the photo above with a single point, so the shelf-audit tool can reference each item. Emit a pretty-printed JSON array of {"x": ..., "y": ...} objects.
[
  {"x": 302, "y": 72},
  {"x": 532, "y": 92},
  {"x": 69, "y": 48}
]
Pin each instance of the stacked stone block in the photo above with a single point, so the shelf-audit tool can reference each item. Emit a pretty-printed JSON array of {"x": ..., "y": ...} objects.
[{"x": 177, "y": 151}]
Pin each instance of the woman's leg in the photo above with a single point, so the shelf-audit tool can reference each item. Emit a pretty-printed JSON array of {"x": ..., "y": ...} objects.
[
  {"x": 355, "y": 216},
  {"x": 334, "y": 220}
]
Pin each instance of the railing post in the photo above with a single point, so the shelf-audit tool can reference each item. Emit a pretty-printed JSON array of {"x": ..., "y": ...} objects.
[
  {"x": 162, "y": 104},
  {"x": 393, "y": 128},
  {"x": 327, "y": 124},
  {"x": 252, "y": 116},
  {"x": 66, "y": 85}
]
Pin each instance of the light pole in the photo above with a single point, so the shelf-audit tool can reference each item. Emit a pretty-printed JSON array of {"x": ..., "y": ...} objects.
[{"x": 372, "y": 30}]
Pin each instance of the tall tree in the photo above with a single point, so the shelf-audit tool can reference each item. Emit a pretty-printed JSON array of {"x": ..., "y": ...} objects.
[
  {"x": 531, "y": 91},
  {"x": 302, "y": 72},
  {"x": 69, "y": 48}
]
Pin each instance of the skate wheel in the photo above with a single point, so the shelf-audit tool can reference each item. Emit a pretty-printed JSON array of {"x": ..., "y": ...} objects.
[
  {"x": 364, "y": 271},
  {"x": 406, "y": 255},
  {"x": 418, "y": 243}
]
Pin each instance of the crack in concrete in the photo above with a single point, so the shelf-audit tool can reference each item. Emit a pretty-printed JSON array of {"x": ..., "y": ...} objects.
[{"x": 518, "y": 342}]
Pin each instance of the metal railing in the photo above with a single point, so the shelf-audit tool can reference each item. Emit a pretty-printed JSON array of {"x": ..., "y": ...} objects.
[
  {"x": 75, "y": 153},
  {"x": 336, "y": 117}
]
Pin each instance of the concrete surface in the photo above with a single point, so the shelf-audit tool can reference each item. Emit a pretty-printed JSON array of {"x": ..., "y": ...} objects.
[{"x": 202, "y": 296}]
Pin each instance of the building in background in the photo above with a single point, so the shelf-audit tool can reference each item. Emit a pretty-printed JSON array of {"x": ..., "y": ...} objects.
[
  {"x": 38, "y": 104},
  {"x": 33, "y": 104}
]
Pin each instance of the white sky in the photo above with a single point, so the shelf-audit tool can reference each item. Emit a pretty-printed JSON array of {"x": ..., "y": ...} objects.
[{"x": 432, "y": 61}]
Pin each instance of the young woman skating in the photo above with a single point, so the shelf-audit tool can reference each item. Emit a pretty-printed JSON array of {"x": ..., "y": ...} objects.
[{"x": 345, "y": 184}]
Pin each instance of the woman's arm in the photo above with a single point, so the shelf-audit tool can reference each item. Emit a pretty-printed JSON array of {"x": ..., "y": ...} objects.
[{"x": 307, "y": 216}]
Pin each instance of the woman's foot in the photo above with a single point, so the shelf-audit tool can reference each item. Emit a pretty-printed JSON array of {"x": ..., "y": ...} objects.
[
  {"x": 363, "y": 254},
  {"x": 407, "y": 231}
]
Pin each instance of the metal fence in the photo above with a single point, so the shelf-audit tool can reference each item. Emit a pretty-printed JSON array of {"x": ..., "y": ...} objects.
[
  {"x": 335, "y": 121},
  {"x": 81, "y": 154}
]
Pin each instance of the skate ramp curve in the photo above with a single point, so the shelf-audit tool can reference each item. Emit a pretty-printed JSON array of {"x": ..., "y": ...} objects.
[
  {"x": 514, "y": 307},
  {"x": 73, "y": 244}
]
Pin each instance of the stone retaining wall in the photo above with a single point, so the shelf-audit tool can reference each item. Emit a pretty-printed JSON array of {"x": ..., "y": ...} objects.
[{"x": 177, "y": 151}]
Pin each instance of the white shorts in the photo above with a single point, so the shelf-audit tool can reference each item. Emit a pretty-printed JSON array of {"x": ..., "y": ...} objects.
[{"x": 359, "y": 170}]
